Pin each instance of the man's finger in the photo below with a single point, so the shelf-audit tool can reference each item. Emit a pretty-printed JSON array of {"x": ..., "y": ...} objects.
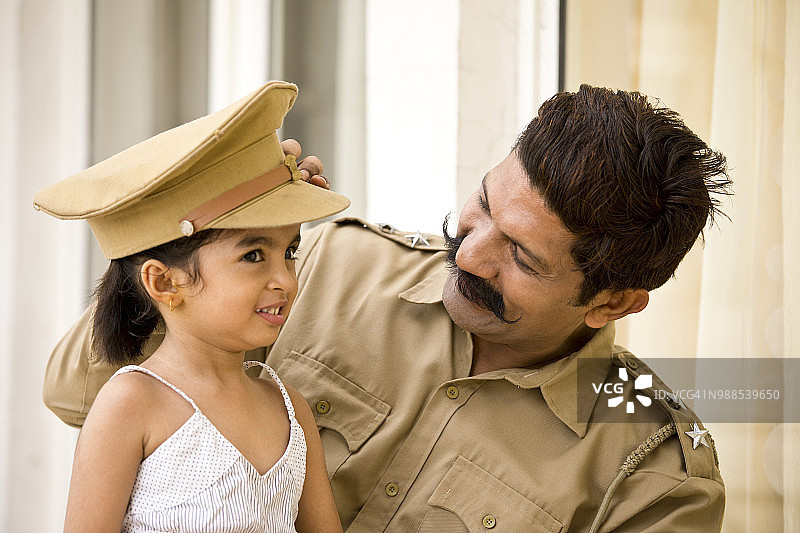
[
  {"x": 290, "y": 146},
  {"x": 320, "y": 181},
  {"x": 312, "y": 164}
]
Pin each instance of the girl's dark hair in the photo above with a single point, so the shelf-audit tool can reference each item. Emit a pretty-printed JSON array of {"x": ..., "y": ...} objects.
[{"x": 125, "y": 315}]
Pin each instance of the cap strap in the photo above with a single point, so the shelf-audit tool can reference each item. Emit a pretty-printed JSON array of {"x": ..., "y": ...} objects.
[{"x": 204, "y": 214}]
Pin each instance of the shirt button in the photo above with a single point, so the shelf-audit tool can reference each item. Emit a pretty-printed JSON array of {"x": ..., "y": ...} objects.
[
  {"x": 489, "y": 521},
  {"x": 633, "y": 365},
  {"x": 323, "y": 407},
  {"x": 452, "y": 392},
  {"x": 392, "y": 489}
]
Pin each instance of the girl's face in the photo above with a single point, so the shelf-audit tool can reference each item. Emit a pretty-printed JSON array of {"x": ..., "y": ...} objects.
[{"x": 246, "y": 286}]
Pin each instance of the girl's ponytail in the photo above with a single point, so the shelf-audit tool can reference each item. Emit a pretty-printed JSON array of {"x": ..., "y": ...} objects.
[{"x": 125, "y": 315}]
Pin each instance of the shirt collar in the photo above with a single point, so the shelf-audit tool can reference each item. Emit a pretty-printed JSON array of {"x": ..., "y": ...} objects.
[{"x": 558, "y": 380}]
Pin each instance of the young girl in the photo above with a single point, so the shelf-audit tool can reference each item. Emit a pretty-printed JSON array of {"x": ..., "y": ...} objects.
[{"x": 204, "y": 241}]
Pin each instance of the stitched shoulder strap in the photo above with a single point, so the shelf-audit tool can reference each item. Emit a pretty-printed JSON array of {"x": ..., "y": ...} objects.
[
  {"x": 409, "y": 239},
  {"x": 286, "y": 399},
  {"x": 135, "y": 368}
]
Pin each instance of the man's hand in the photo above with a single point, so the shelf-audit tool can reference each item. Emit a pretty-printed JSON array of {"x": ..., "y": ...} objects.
[{"x": 310, "y": 167}]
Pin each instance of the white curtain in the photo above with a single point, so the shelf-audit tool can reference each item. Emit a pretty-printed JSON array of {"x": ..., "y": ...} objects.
[
  {"x": 751, "y": 310},
  {"x": 730, "y": 67}
]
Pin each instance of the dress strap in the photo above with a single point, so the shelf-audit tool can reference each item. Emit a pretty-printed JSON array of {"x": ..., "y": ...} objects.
[
  {"x": 136, "y": 368},
  {"x": 286, "y": 399}
]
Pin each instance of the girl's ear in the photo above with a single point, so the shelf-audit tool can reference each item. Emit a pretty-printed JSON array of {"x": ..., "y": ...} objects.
[
  {"x": 159, "y": 282},
  {"x": 618, "y": 305}
]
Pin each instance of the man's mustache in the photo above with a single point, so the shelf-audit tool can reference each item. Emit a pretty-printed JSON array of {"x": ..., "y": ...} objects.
[{"x": 474, "y": 288}]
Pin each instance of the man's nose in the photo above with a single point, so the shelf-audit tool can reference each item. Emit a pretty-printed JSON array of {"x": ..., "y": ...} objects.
[{"x": 479, "y": 253}]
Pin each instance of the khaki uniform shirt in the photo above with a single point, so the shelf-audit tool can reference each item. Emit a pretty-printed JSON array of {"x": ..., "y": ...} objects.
[{"x": 413, "y": 443}]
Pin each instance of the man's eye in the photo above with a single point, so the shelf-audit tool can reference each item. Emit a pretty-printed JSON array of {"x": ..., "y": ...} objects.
[
  {"x": 524, "y": 266},
  {"x": 482, "y": 203},
  {"x": 292, "y": 253},
  {"x": 253, "y": 256}
]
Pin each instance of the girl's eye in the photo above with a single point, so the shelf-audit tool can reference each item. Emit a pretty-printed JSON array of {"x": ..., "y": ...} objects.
[
  {"x": 291, "y": 253},
  {"x": 253, "y": 256}
]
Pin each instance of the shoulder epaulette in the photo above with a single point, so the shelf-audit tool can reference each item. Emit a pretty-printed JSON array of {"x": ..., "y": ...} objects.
[
  {"x": 699, "y": 452},
  {"x": 410, "y": 239}
]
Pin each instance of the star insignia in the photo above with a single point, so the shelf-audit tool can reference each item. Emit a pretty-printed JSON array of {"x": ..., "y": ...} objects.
[
  {"x": 698, "y": 435},
  {"x": 417, "y": 238}
]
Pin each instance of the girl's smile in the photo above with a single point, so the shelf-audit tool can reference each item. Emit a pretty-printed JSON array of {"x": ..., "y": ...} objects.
[{"x": 273, "y": 314}]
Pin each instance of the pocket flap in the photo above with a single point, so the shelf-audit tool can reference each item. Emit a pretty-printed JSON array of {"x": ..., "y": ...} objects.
[
  {"x": 482, "y": 501},
  {"x": 348, "y": 409}
]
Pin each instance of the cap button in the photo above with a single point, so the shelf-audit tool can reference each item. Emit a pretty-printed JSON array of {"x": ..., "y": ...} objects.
[{"x": 187, "y": 228}]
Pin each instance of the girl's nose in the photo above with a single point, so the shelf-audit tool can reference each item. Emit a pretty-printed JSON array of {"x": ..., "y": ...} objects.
[{"x": 283, "y": 277}]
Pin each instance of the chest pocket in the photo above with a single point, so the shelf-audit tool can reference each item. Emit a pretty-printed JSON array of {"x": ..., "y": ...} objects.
[
  {"x": 469, "y": 499},
  {"x": 346, "y": 414}
]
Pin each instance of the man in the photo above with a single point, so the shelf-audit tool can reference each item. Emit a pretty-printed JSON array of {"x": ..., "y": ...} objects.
[{"x": 444, "y": 376}]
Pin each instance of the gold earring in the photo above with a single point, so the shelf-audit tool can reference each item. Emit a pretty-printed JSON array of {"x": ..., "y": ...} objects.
[{"x": 171, "y": 308}]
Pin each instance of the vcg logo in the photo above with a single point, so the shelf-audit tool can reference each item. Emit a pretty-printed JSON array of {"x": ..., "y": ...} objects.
[{"x": 645, "y": 381}]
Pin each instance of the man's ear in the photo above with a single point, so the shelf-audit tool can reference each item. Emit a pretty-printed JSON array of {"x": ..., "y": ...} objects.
[
  {"x": 617, "y": 305},
  {"x": 158, "y": 281}
]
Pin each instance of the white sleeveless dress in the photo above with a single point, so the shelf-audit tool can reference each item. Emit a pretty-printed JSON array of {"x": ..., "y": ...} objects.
[{"x": 197, "y": 481}]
